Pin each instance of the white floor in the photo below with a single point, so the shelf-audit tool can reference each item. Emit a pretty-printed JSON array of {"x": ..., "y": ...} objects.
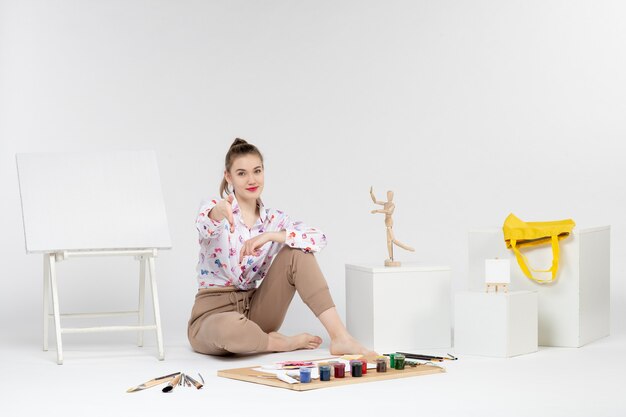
[{"x": 588, "y": 381}]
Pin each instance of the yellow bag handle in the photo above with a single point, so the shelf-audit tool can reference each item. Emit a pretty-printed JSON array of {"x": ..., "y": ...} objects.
[
  {"x": 523, "y": 261},
  {"x": 518, "y": 234}
]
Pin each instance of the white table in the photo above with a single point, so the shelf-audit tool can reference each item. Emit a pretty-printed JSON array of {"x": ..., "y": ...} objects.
[
  {"x": 575, "y": 309},
  {"x": 495, "y": 324},
  {"x": 399, "y": 308}
]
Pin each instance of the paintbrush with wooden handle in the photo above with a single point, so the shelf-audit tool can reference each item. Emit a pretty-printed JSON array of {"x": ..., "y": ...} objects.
[
  {"x": 173, "y": 382},
  {"x": 195, "y": 383},
  {"x": 153, "y": 382}
]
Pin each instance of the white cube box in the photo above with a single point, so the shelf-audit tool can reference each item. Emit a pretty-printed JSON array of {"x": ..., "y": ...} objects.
[
  {"x": 399, "y": 308},
  {"x": 574, "y": 310},
  {"x": 499, "y": 325}
]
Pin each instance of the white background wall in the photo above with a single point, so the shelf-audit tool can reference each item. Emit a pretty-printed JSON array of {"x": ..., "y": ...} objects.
[{"x": 467, "y": 109}]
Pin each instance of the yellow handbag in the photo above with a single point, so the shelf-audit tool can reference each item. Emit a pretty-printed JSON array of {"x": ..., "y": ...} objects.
[{"x": 519, "y": 234}]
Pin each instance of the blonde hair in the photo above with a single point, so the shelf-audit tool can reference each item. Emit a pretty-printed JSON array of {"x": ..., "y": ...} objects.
[{"x": 238, "y": 148}]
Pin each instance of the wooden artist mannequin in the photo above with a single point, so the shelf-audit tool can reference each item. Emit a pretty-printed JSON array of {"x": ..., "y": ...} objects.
[{"x": 388, "y": 209}]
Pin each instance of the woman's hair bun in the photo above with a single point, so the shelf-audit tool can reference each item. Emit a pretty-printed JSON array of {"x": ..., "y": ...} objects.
[{"x": 238, "y": 141}]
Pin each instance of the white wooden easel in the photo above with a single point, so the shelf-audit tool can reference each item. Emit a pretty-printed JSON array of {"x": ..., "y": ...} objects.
[
  {"x": 497, "y": 275},
  {"x": 55, "y": 222},
  {"x": 51, "y": 292}
]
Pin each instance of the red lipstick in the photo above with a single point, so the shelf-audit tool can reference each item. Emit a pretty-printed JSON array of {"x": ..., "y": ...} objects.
[{"x": 252, "y": 189}]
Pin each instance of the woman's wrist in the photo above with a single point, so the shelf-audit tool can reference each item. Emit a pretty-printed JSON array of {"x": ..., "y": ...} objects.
[
  {"x": 279, "y": 237},
  {"x": 213, "y": 215},
  {"x": 217, "y": 214}
]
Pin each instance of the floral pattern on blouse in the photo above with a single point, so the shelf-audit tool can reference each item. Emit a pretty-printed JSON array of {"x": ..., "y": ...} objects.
[{"x": 218, "y": 262}]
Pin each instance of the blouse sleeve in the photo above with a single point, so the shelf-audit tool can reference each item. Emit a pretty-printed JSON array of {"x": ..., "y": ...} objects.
[
  {"x": 207, "y": 227},
  {"x": 301, "y": 236}
]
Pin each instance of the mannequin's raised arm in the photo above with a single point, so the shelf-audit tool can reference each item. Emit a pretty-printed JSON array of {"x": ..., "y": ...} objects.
[{"x": 382, "y": 203}]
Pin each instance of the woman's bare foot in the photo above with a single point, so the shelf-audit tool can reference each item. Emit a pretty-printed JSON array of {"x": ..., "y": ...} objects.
[
  {"x": 348, "y": 345},
  {"x": 281, "y": 343}
]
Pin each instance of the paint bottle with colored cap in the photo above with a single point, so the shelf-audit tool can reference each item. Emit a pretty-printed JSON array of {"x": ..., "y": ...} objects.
[
  {"x": 340, "y": 370},
  {"x": 364, "y": 362},
  {"x": 305, "y": 375},
  {"x": 356, "y": 368},
  {"x": 325, "y": 373},
  {"x": 399, "y": 359}
]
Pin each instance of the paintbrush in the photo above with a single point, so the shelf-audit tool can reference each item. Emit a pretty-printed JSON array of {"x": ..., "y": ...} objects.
[
  {"x": 153, "y": 382},
  {"x": 282, "y": 376},
  {"x": 173, "y": 382},
  {"x": 421, "y": 357},
  {"x": 195, "y": 383}
]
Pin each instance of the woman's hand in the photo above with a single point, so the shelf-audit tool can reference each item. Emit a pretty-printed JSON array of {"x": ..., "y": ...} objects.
[
  {"x": 224, "y": 210},
  {"x": 251, "y": 247}
]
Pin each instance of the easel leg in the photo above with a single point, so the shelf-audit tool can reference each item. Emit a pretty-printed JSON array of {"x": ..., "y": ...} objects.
[
  {"x": 55, "y": 308},
  {"x": 46, "y": 299},
  {"x": 155, "y": 304},
  {"x": 142, "y": 297}
]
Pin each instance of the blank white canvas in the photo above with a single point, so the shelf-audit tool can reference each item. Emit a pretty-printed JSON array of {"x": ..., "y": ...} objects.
[
  {"x": 92, "y": 201},
  {"x": 497, "y": 271}
]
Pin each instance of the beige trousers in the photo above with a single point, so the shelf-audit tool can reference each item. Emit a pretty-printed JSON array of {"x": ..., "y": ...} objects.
[{"x": 225, "y": 321}]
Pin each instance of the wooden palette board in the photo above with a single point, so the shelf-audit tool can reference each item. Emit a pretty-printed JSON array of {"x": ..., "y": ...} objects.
[{"x": 248, "y": 375}]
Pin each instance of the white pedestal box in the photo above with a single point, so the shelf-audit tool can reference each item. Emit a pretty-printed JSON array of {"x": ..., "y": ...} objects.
[
  {"x": 400, "y": 308},
  {"x": 500, "y": 325},
  {"x": 574, "y": 310}
]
